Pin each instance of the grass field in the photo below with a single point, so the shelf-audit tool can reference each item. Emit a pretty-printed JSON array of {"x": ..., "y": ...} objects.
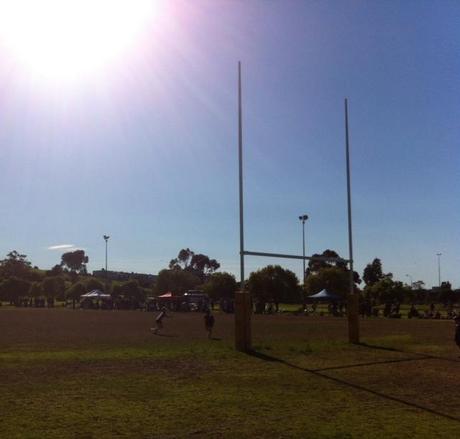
[{"x": 101, "y": 374}]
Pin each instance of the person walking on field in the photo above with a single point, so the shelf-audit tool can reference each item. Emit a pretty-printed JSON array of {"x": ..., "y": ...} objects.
[
  {"x": 208, "y": 322},
  {"x": 159, "y": 321}
]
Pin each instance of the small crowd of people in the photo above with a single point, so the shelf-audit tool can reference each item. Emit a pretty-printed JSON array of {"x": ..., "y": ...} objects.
[{"x": 431, "y": 313}]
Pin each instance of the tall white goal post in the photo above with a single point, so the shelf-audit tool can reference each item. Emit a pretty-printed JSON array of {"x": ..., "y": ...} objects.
[{"x": 243, "y": 307}]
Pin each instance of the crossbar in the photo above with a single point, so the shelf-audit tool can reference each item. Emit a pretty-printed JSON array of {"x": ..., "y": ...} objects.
[{"x": 279, "y": 255}]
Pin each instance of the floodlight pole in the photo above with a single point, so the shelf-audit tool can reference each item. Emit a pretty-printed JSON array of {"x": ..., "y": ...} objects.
[
  {"x": 439, "y": 268},
  {"x": 303, "y": 218},
  {"x": 353, "y": 304},
  {"x": 106, "y": 239},
  {"x": 243, "y": 306}
]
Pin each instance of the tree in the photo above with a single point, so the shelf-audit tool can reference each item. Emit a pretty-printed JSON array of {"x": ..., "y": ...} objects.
[
  {"x": 94, "y": 284},
  {"x": 176, "y": 281},
  {"x": 373, "y": 272},
  {"x": 53, "y": 286},
  {"x": 198, "y": 264},
  {"x": 332, "y": 275},
  {"x": 183, "y": 260},
  {"x": 446, "y": 294},
  {"x": 315, "y": 265},
  {"x": 203, "y": 266},
  {"x": 13, "y": 289},
  {"x": 75, "y": 261},
  {"x": 221, "y": 286},
  {"x": 386, "y": 290},
  {"x": 334, "y": 279},
  {"x": 35, "y": 290},
  {"x": 274, "y": 284},
  {"x": 131, "y": 291},
  {"x": 55, "y": 271},
  {"x": 15, "y": 265},
  {"x": 418, "y": 285},
  {"x": 75, "y": 292}
]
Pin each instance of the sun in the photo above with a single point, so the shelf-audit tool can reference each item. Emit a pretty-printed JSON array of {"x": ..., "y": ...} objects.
[{"x": 68, "y": 40}]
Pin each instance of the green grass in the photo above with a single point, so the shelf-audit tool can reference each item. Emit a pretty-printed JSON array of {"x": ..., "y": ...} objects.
[{"x": 304, "y": 382}]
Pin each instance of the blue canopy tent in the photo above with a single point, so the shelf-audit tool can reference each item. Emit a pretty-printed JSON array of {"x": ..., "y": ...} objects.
[{"x": 324, "y": 296}]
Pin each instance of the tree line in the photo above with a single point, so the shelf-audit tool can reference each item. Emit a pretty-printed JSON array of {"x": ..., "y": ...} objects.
[{"x": 69, "y": 280}]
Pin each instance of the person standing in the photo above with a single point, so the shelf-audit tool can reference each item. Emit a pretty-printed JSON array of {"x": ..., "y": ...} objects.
[
  {"x": 457, "y": 329},
  {"x": 208, "y": 322},
  {"x": 159, "y": 321}
]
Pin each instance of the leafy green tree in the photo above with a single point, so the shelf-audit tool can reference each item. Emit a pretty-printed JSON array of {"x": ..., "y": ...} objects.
[
  {"x": 75, "y": 261},
  {"x": 373, "y": 272},
  {"x": 176, "y": 281},
  {"x": 332, "y": 275},
  {"x": 94, "y": 284},
  {"x": 132, "y": 291},
  {"x": 446, "y": 294},
  {"x": 75, "y": 292},
  {"x": 15, "y": 265},
  {"x": 53, "y": 286},
  {"x": 274, "y": 284},
  {"x": 418, "y": 285},
  {"x": 198, "y": 264},
  {"x": 221, "y": 286},
  {"x": 387, "y": 290},
  {"x": 13, "y": 289},
  {"x": 55, "y": 271},
  {"x": 334, "y": 279},
  {"x": 35, "y": 290},
  {"x": 183, "y": 260},
  {"x": 315, "y": 265},
  {"x": 203, "y": 266}
]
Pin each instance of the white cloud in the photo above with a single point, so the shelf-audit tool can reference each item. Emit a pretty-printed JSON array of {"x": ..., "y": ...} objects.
[{"x": 61, "y": 247}]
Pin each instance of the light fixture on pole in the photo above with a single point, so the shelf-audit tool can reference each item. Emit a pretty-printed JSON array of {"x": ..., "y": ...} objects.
[
  {"x": 439, "y": 268},
  {"x": 303, "y": 218},
  {"x": 106, "y": 239},
  {"x": 411, "y": 281}
]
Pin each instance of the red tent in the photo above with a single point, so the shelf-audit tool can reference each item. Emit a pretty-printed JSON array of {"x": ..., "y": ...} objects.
[{"x": 167, "y": 295}]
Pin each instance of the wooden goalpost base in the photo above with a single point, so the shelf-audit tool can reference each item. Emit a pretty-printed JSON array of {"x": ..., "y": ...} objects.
[{"x": 243, "y": 311}]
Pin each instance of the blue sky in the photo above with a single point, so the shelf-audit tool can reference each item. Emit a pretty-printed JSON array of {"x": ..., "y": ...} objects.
[{"x": 146, "y": 151}]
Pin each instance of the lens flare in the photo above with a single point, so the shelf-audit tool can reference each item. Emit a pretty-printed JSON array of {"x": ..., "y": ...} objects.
[{"x": 68, "y": 40}]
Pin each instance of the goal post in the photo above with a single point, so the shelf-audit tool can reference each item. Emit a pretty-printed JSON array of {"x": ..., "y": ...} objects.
[{"x": 243, "y": 304}]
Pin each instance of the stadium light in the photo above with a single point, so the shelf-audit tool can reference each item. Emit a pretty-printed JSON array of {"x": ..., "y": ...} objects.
[
  {"x": 439, "y": 268},
  {"x": 303, "y": 218},
  {"x": 106, "y": 239}
]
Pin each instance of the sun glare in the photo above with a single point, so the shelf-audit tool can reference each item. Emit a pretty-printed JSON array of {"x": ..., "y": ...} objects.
[{"x": 68, "y": 40}]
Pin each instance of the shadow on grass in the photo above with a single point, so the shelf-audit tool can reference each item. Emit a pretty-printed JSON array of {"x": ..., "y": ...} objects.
[
  {"x": 421, "y": 355},
  {"x": 383, "y": 348},
  {"x": 319, "y": 373},
  {"x": 372, "y": 363}
]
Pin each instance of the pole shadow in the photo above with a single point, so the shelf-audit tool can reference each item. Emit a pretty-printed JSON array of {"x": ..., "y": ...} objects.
[
  {"x": 319, "y": 373},
  {"x": 420, "y": 354}
]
